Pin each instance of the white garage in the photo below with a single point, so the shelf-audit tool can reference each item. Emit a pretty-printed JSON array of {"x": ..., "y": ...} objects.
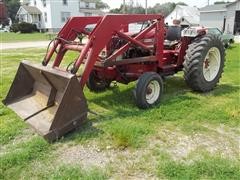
[{"x": 225, "y": 17}]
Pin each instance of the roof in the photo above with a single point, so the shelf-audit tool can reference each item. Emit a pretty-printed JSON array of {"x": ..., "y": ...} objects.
[
  {"x": 31, "y": 9},
  {"x": 189, "y": 11},
  {"x": 190, "y": 20},
  {"x": 215, "y": 7},
  {"x": 229, "y": 4},
  {"x": 190, "y": 14}
]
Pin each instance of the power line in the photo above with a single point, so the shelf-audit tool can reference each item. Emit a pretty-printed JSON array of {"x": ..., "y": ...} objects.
[
  {"x": 124, "y": 6},
  {"x": 146, "y": 6}
]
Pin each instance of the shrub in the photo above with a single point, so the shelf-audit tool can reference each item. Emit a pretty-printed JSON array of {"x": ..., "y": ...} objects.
[
  {"x": 14, "y": 27},
  {"x": 24, "y": 27}
]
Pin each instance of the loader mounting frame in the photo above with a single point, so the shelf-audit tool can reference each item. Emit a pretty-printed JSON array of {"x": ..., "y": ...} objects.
[{"x": 165, "y": 62}]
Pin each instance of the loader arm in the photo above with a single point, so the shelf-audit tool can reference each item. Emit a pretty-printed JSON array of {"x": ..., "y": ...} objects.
[
  {"x": 73, "y": 27},
  {"x": 106, "y": 27}
]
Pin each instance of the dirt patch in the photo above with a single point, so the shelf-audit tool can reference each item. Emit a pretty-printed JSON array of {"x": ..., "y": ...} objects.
[
  {"x": 87, "y": 156},
  {"x": 124, "y": 163},
  {"x": 188, "y": 144},
  {"x": 221, "y": 141},
  {"x": 141, "y": 163}
]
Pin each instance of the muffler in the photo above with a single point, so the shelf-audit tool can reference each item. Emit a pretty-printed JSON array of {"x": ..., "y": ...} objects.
[{"x": 50, "y": 100}]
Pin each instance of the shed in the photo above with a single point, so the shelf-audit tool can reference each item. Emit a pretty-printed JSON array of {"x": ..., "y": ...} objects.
[{"x": 186, "y": 14}]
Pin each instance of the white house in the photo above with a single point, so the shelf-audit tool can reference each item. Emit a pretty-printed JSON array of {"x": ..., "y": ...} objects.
[
  {"x": 30, "y": 14},
  {"x": 51, "y": 15},
  {"x": 186, "y": 14},
  {"x": 225, "y": 17}
]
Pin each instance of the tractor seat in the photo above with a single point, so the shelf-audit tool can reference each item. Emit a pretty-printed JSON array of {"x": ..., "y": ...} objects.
[{"x": 173, "y": 33}]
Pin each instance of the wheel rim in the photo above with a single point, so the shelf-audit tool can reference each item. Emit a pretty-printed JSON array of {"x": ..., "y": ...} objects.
[
  {"x": 153, "y": 92},
  {"x": 211, "y": 64}
]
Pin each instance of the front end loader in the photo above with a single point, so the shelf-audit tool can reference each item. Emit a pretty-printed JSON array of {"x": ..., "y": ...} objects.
[
  {"x": 51, "y": 101},
  {"x": 50, "y": 98}
]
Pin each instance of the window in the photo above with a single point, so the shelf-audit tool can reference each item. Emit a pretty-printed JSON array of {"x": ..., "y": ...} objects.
[
  {"x": 87, "y": 4},
  {"x": 65, "y": 16},
  {"x": 87, "y": 14},
  {"x": 21, "y": 19},
  {"x": 65, "y": 2},
  {"x": 45, "y": 17},
  {"x": 44, "y": 3}
]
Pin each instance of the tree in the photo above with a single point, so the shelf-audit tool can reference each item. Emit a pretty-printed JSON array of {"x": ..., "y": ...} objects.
[
  {"x": 131, "y": 8},
  {"x": 221, "y": 2},
  {"x": 117, "y": 10},
  {"x": 165, "y": 8},
  {"x": 101, "y": 5},
  {"x": 181, "y": 3},
  {"x": 136, "y": 8},
  {"x": 12, "y": 8}
]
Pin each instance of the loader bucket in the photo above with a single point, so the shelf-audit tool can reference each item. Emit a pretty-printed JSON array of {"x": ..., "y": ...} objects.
[{"x": 50, "y": 100}]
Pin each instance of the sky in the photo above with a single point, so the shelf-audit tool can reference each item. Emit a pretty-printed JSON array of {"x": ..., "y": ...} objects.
[{"x": 198, "y": 3}]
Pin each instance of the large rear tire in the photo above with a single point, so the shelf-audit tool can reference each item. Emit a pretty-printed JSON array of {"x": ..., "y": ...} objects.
[
  {"x": 204, "y": 63},
  {"x": 149, "y": 89}
]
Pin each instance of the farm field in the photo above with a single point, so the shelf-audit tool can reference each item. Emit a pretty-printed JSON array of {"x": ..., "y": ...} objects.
[{"x": 188, "y": 135}]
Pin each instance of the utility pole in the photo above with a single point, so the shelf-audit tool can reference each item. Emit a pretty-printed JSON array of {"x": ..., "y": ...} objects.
[
  {"x": 146, "y": 6},
  {"x": 208, "y": 2},
  {"x": 124, "y": 6}
]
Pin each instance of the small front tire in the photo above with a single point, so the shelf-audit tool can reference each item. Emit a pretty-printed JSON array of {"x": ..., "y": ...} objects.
[
  {"x": 149, "y": 89},
  {"x": 97, "y": 84}
]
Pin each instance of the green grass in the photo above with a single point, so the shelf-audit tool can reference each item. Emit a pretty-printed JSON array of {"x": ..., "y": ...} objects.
[
  {"x": 20, "y": 155},
  {"x": 121, "y": 125},
  {"x": 66, "y": 172},
  {"x": 21, "y": 37},
  {"x": 206, "y": 168},
  {"x": 10, "y": 125},
  {"x": 128, "y": 133}
]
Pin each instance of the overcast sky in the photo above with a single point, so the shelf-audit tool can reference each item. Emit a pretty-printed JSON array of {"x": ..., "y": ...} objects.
[{"x": 198, "y": 3}]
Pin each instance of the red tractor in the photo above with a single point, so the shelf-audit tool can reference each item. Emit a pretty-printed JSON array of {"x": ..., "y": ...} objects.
[{"x": 51, "y": 98}]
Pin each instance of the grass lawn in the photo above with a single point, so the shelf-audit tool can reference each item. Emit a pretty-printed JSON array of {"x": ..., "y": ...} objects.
[
  {"x": 18, "y": 37},
  {"x": 188, "y": 136}
]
